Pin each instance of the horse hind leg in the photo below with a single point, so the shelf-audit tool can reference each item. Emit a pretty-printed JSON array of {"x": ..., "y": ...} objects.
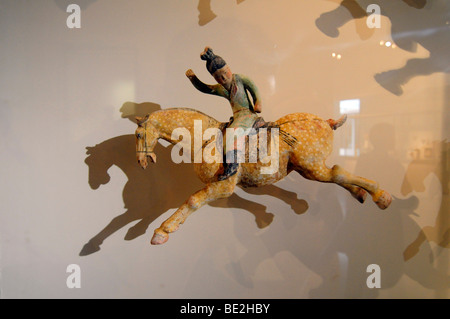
[
  {"x": 356, "y": 185},
  {"x": 210, "y": 193},
  {"x": 382, "y": 198},
  {"x": 357, "y": 192}
]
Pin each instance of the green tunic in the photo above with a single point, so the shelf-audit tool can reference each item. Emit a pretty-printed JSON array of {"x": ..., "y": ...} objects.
[{"x": 243, "y": 113}]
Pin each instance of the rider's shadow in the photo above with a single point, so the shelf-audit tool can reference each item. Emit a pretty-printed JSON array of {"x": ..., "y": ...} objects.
[
  {"x": 150, "y": 193},
  {"x": 413, "y": 23}
]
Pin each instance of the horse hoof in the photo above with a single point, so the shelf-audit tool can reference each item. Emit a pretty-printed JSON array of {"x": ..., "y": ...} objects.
[
  {"x": 360, "y": 195},
  {"x": 159, "y": 237},
  {"x": 384, "y": 200}
]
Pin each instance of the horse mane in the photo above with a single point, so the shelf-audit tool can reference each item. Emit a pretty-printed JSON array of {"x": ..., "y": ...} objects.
[
  {"x": 186, "y": 109},
  {"x": 166, "y": 120}
]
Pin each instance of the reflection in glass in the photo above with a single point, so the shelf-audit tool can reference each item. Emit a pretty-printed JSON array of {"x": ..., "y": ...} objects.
[{"x": 349, "y": 142}]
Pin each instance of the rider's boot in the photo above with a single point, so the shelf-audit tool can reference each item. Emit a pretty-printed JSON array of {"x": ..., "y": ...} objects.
[{"x": 230, "y": 165}]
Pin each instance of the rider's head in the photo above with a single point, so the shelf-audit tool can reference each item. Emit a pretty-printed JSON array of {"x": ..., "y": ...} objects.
[{"x": 217, "y": 67}]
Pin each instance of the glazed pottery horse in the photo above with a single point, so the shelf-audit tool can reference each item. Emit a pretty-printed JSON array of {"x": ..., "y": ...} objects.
[{"x": 304, "y": 144}]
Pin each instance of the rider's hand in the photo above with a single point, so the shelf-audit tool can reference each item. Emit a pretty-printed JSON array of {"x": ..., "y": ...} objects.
[
  {"x": 257, "y": 107},
  {"x": 190, "y": 73}
]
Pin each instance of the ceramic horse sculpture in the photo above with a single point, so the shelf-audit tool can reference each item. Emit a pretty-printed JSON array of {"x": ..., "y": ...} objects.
[{"x": 304, "y": 144}]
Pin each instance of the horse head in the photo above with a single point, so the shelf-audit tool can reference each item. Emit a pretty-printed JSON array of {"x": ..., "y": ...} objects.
[
  {"x": 98, "y": 163},
  {"x": 146, "y": 138}
]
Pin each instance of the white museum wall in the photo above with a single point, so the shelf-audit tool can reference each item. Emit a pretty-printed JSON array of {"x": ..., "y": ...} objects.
[{"x": 72, "y": 192}]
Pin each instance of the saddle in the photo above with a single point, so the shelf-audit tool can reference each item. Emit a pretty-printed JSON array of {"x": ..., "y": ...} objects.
[{"x": 258, "y": 124}]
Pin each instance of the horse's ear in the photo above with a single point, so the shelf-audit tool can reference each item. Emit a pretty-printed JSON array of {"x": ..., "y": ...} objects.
[
  {"x": 89, "y": 150},
  {"x": 142, "y": 120}
]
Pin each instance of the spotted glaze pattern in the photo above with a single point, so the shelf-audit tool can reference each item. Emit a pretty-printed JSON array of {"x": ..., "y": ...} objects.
[{"x": 305, "y": 141}]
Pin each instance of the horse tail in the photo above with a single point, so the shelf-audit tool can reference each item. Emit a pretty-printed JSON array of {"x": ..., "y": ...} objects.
[{"x": 335, "y": 124}]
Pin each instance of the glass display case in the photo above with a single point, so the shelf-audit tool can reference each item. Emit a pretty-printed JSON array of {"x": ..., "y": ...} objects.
[{"x": 78, "y": 211}]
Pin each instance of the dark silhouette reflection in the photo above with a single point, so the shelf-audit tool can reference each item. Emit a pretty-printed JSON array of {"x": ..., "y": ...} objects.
[
  {"x": 369, "y": 236},
  {"x": 438, "y": 163},
  {"x": 303, "y": 237},
  {"x": 149, "y": 193},
  {"x": 339, "y": 238},
  {"x": 427, "y": 26},
  {"x": 206, "y": 15},
  {"x": 330, "y": 22}
]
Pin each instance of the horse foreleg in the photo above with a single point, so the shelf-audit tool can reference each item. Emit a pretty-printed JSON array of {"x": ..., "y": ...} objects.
[{"x": 210, "y": 193}]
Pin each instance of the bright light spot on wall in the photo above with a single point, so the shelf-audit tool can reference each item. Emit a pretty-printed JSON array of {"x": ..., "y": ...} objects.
[
  {"x": 272, "y": 84},
  {"x": 388, "y": 44},
  {"x": 122, "y": 91},
  {"x": 336, "y": 55},
  {"x": 352, "y": 106},
  {"x": 349, "y": 106}
]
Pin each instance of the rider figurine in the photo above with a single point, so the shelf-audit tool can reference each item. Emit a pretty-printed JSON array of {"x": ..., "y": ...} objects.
[{"x": 235, "y": 88}]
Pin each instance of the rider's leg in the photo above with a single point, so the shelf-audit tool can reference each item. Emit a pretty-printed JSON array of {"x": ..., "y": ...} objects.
[{"x": 233, "y": 155}]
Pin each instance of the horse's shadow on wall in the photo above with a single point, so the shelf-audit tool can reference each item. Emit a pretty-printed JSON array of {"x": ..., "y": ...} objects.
[
  {"x": 413, "y": 22},
  {"x": 165, "y": 185}
]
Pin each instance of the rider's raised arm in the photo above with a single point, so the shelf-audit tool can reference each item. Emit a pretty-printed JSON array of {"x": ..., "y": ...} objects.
[
  {"x": 251, "y": 87},
  {"x": 206, "y": 88}
]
